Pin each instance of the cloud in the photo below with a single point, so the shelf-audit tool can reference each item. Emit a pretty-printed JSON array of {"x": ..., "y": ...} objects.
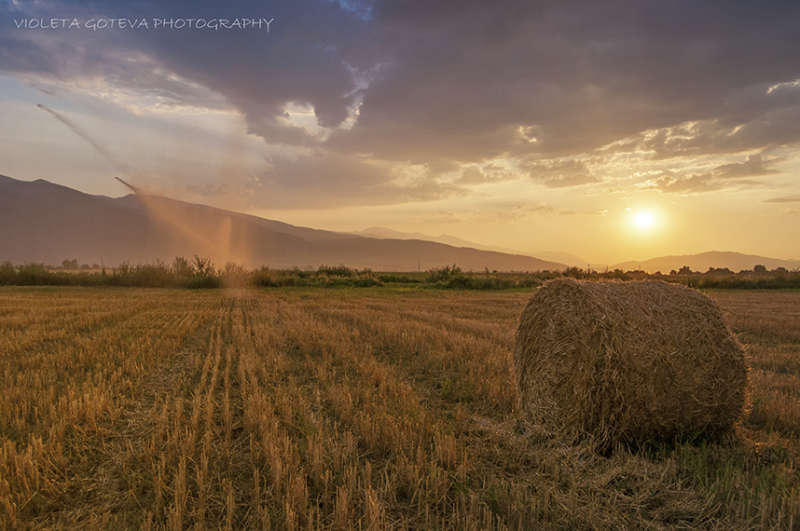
[
  {"x": 397, "y": 83},
  {"x": 299, "y": 60},
  {"x": 472, "y": 175},
  {"x": 771, "y": 129},
  {"x": 673, "y": 182},
  {"x": 580, "y": 76},
  {"x": 729, "y": 175},
  {"x": 560, "y": 174},
  {"x": 754, "y": 165},
  {"x": 785, "y": 199},
  {"x": 491, "y": 172},
  {"x": 324, "y": 178}
]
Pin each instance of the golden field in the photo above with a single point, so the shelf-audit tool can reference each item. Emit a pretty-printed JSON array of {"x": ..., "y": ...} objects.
[{"x": 348, "y": 408}]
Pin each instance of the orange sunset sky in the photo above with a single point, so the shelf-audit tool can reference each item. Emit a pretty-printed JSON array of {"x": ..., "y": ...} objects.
[{"x": 608, "y": 130}]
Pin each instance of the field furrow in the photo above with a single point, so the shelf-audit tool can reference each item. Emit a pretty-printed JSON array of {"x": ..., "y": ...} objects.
[{"x": 341, "y": 409}]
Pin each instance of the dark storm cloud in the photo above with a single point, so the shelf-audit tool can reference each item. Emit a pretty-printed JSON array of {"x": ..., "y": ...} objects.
[
  {"x": 23, "y": 56},
  {"x": 462, "y": 79},
  {"x": 300, "y": 59},
  {"x": 448, "y": 84}
]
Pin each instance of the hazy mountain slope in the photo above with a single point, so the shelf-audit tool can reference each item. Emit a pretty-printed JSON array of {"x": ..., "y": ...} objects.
[
  {"x": 44, "y": 222},
  {"x": 389, "y": 254},
  {"x": 383, "y": 232},
  {"x": 567, "y": 258},
  {"x": 447, "y": 239},
  {"x": 701, "y": 262}
]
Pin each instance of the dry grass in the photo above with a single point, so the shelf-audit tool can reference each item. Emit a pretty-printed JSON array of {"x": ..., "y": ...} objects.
[
  {"x": 126, "y": 408},
  {"x": 622, "y": 363}
]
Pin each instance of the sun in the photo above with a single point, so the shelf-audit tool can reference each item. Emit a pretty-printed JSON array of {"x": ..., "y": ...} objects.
[{"x": 643, "y": 220}]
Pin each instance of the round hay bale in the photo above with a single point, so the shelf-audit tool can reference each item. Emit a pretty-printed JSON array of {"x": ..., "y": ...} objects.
[{"x": 627, "y": 362}]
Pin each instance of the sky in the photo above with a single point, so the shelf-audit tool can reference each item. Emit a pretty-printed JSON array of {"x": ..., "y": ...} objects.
[{"x": 610, "y": 130}]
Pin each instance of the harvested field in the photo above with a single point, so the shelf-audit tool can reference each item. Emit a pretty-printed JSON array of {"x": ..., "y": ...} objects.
[{"x": 342, "y": 408}]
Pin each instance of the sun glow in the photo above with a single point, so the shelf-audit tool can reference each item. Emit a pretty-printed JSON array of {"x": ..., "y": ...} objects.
[{"x": 643, "y": 220}]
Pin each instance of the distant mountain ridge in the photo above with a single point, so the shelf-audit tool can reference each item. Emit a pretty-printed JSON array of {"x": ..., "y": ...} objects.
[
  {"x": 703, "y": 261},
  {"x": 383, "y": 232},
  {"x": 45, "y": 222}
]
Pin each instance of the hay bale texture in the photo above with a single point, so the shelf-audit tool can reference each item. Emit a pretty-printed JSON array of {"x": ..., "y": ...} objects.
[{"x": 627, "y": 362}]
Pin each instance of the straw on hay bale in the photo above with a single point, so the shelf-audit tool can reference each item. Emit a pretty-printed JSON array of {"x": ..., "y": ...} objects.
[{"x": 627, "y": 362}]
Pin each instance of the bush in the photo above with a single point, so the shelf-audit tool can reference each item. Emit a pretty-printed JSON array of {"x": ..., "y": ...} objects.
[
  {"x": 398, "y": 279},
  {"x": 444, "y": 274},
  {"x": 201, "y": 273},
  {"x": 336, "y": 271}
]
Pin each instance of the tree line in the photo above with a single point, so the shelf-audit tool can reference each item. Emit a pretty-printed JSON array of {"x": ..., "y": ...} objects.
[{"x": 199, "y": 272}]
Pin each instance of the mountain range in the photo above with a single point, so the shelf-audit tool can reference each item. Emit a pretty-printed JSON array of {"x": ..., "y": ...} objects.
[
  {"x": 45, "y": 222},
  {"x": 703, "y": 261},
  {"x": 553, "y": 256}
]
